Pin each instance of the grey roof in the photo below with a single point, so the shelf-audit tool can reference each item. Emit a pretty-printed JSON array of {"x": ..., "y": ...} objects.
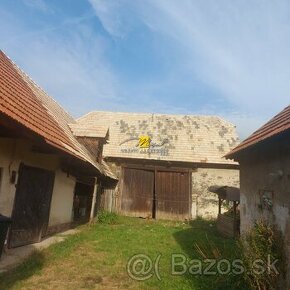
[{"x": 201, "y": 139}]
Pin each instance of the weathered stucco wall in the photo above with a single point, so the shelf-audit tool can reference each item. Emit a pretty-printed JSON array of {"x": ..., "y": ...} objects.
[
  {"x": 16, "y": 151},
  {"x": 260, "y": 176},
  {"x": 12, "y": 153},
  {"x": 270, "y": 172},
  {"x": 205, "y": 203}
]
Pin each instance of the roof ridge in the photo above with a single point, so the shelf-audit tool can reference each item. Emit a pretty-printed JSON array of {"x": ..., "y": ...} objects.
[{"x": 153, "y": 113}]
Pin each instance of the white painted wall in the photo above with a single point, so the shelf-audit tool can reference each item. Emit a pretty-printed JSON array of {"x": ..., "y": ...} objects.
[
  {"x": 15, "y": 151},
  {"x": 62, "y": 199}
]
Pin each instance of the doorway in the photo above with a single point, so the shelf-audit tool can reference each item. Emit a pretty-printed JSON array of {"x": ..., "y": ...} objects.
[{"x": 31, "y": 206}]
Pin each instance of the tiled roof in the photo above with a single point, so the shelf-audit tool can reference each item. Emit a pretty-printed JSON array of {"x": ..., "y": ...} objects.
[
  {"x": 275, "y": 126},
  {"x": 88, "y": 130},
  {"x": 201, "y": 139},
  {"x": 25, "y": 102}
]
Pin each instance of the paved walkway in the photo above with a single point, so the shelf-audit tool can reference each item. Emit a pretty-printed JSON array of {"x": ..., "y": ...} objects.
[{"x": 13, "y": 257}]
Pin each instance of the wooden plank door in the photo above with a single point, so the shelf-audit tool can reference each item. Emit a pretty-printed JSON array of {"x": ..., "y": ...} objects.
[
  {"x": 137, "y": 192},
  {"x": 31, "y": 206},
  {"x": 173, "y": 200}
]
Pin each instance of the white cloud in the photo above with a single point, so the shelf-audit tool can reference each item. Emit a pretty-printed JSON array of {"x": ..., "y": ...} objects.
[
  {"x": 71, "y": 68},
  {"x": 37, "y": 4},
  {"x": 239, "y": 49},
  {"x": 112, "y": 15}
]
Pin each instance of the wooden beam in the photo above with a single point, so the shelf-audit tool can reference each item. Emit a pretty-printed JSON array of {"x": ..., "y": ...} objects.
[
  {"x": 94, "y": 199},
  {"x": 220, "y": 205}
]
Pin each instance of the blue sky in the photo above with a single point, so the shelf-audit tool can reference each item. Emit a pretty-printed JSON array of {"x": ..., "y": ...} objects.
[{"x": 227, "y": 58}]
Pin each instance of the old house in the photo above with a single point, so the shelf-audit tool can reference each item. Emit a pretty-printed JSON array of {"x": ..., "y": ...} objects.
[
  {"x": 165, "y": 163},
  {"x": 43, "y": 167},
  {"x": 264, "y": 159}
]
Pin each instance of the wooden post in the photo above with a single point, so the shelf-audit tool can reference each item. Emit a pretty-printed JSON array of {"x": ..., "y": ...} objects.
[
  {"x": 220, "y": 205},
  {"x": 94, "y": 199}
]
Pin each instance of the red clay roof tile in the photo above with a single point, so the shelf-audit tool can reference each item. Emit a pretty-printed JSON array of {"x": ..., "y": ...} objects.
[
  {"x": 277, "y": 125},
  {"x": 19, "y": 102},
  {"x": 25, "y": 102}
]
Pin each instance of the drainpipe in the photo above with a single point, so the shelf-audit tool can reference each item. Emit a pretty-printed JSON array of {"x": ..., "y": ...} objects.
[{"x": 94, "y": 200}]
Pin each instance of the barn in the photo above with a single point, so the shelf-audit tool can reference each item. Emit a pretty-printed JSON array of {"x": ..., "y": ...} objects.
[{"x": 164, "y": 163}]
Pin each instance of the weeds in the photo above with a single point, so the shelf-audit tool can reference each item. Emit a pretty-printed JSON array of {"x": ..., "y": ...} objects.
[
  {"x": 261, "y": 245},
  {"x": 108, "y": 218}
]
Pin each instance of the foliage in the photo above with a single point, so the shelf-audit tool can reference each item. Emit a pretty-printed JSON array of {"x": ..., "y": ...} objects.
[
  {"x": 109, "y": 218},
  {"x": 261, "y": 246}
]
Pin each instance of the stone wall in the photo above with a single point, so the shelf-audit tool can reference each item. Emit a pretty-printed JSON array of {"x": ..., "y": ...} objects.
[{"x": 205, "y": 203}]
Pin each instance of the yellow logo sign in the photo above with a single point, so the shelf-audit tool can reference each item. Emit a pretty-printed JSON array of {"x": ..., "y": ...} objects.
[{"x": 144, "y": 142}]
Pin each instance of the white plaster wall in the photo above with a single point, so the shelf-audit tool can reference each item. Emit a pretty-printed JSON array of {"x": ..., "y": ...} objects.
[
  {"x": 12, "y": 153},
  {"x": 259, "y": 174},
  {"x": 15, "y": 151},
  {"x": 205, "y": 203},
  {"x": 62, "y": 199}
]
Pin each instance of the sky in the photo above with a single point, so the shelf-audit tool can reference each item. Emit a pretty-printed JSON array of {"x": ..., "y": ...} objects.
[{"x": 226, "y": 58}]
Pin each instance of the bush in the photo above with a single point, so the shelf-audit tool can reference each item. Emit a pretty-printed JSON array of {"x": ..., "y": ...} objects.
[
  {"x": 263, "y": 243},
  {"x": 109, "y": 218}
]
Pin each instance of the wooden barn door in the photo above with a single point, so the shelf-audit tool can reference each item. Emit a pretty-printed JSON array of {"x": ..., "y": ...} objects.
[
  {"x": 31, "y": 207},
  {"x": 173, "y": 200},
  {"x": 137, "y": 192}
]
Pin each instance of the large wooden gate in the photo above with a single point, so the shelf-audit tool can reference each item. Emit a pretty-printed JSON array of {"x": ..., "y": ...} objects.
[
  {"x": 172, "y": 195},
  {"x": 31, "y": 207},
  {"x": 156, "y": 193},
  {"x": 137, "y": 193}
]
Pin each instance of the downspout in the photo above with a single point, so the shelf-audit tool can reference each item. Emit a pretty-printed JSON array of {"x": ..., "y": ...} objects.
[{"x": 94, "y": 199}]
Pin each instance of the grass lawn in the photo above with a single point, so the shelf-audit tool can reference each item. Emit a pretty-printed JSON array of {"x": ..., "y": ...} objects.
[{"x": 96, "y": 258}]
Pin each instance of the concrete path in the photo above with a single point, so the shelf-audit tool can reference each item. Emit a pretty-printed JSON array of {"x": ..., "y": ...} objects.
[{"x": 13, "y": 257}]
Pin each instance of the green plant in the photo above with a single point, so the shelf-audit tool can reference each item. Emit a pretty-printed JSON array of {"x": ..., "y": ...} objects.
[
  {"x": 261, "y": 247},
  {"x": 105, "y": 217}
]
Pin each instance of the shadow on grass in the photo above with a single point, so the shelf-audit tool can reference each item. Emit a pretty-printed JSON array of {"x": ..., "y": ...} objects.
[
  {"x": 28, "y": 268},
  {"x": 202, "y": 241}
]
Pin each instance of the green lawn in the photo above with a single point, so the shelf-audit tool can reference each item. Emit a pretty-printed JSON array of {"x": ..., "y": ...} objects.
[{"x": 96, "y": 258}]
